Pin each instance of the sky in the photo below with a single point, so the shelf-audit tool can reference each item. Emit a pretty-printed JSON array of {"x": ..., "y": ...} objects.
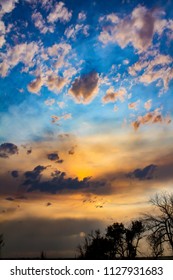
[{"x": 85, "y": 118}]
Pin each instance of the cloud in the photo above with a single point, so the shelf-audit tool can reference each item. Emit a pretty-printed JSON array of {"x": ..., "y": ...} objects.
[
  {"x": 165, "y": 74},
  {"x": 46, "y": 4},
  {"x": 29, "y": 151},
  {"x": 34, "y": 175},
  {"x": 85, "y": 88},
  {"x": 72, "y": 150},
  {"x": 58, "y": 52},
  {"x": 10, "y": 198},
  {"x": 22, "y": 197},
  {"x": 55, "y": 82},
  {"x": 148, "y": 104},
  {"x": 137, "y": 29},
  {"x": 49, "y": 102},
  {"x": 112, "y": 96},
  {"x": 159, "y": 67},
  {"x": 149, "y": 65},
  {"x": 165, "y": 166},
  {"x": 55, "y": 119},
  {"x": 6, "y": 6},
  {"x": 60, "y": 183},
  {"x": 61, "y": 49},
  {"x": 59, "y": 13},
  {"x": 70, "y": 72},
  {"x": 58, "y": 118},
  {"x": 35, "y": 86},
  {"x": 48, "y": 204},
  {"x": 40, "y": 23},
  {"x": 28, "y": 237},
  {"x": 133, "y": 105},
  {"x": 23, "y": 53},
  {"x": 15, "y": 173},
  {"x": 2, "y": 33},
  {"x": 8, "y": 149},
  {"x": 60, "y": 161},
  {"x": 146, "y": 173},
  {"x": 61, "y": 104},
  {"x": 53, "y": 156},
  {"x": 82, "y": 16},
  {"x": 73, "y": 30},
  {"x": 151, "y": 117}
]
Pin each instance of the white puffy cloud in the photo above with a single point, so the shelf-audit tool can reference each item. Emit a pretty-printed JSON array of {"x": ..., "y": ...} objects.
[
  {"x": 40, "y": 23},
  {"x": 59, "y": 52},
  {"x": 85, "y": 88},
  {"x": 59, "y": 49},
  {"x": 70, "y": 72},
  {"x": 165, "y": 74},
  {"x": 24, "y": 53},
  {"x": 157, "y": 68},
  {"x": 136, "y": 29},
  {"x": 59, "y": 13},
  {"x": 55, "y": 83},
  {"x": 6, "y": 6},
  {"x": 147, "y": 64}
]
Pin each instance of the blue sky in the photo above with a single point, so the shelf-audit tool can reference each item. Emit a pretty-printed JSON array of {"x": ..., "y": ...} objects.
[
  {"x": 85, "y": 100},
  {"x": 83, "y": 35}
]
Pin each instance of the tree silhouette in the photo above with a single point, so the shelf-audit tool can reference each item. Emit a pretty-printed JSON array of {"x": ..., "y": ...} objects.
[
  {"x": 125, "y": 241},
  {"x": 115, "y": 235},
  {"x": 119, "y": 242},
  {"x": 95, "y": 247},
  {"x": 1, "y": 242},
  {"x": 160, "y": 225},
  {"x": 156, "y": 244},
  {"x": 133, "y": 237}
]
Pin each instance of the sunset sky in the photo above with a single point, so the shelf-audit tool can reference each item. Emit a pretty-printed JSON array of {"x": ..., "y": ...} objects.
[{"x": 86, "y": 136}]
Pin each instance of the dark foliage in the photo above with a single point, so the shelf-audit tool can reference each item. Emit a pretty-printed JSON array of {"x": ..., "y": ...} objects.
[{"x": 119, "y": 242}]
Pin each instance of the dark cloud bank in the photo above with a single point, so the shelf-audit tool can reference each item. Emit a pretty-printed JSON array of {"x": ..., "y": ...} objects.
[
  {"x": 59, "y": 182},
  {"x": 57, "y": 238}
]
